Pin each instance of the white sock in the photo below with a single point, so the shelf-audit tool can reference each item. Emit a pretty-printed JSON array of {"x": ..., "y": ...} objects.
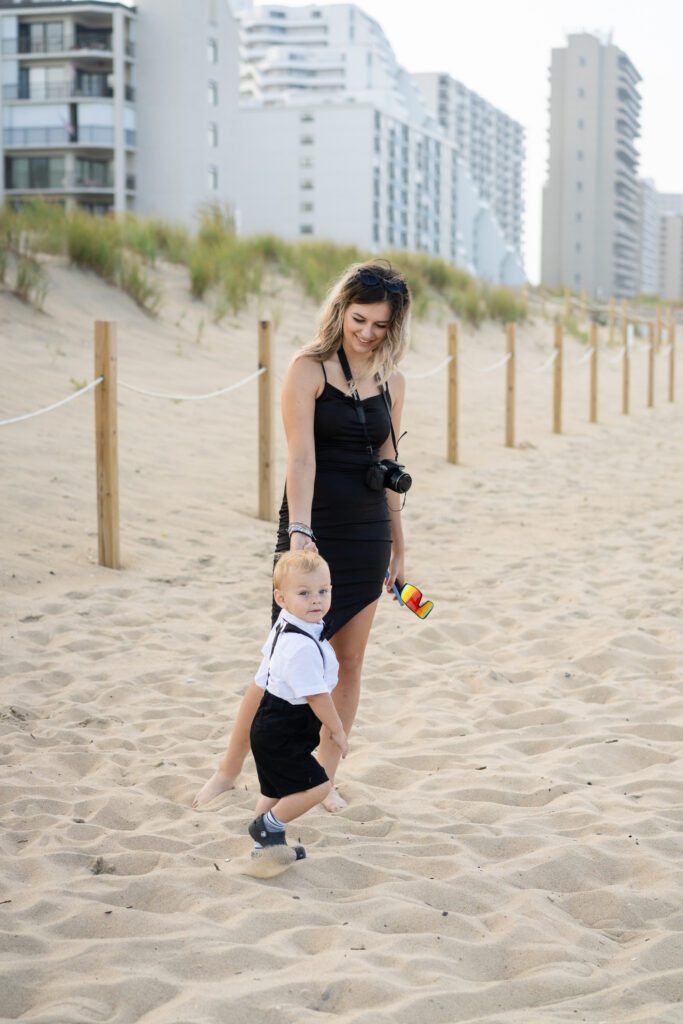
[{"x": 272, "y": 823}]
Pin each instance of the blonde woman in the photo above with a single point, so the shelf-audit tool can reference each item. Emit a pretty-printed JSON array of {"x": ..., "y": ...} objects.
[{"x": 331, "y": 505}]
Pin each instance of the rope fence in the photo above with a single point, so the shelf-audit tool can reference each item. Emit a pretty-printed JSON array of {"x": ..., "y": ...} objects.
[{"x": 106, "y": 382}]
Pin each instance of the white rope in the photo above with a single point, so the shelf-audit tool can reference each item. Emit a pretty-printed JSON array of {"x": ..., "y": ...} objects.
[
  {"x": 430, "y": 373},
  {"x": 586, "y": 357},
  {"x": 194, "y": 398},
  {"x": 55, "y": 405},
  {"x": 549, "y": 362},
  {"x": 489, "y": 369}
]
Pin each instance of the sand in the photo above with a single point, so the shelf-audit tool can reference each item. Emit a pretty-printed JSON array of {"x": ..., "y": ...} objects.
[{"x": 511, "y": 853}]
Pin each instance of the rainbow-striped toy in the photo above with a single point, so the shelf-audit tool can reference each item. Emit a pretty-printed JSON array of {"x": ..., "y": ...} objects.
[{"x": 411, "y": 597}]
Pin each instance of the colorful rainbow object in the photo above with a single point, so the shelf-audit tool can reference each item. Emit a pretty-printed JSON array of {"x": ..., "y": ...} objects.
[{"x": 412, "y": 597}]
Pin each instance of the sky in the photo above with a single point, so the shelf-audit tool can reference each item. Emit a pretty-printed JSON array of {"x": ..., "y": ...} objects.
[{"x": 501, "y": 49}]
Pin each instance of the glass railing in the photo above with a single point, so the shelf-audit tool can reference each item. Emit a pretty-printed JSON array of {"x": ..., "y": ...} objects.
[
  {"x": 82, "y": 40},
  {"x": 92, "y": 135}
]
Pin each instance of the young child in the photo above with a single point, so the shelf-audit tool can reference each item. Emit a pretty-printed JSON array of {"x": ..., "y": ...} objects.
[{"x": 298, "y": 673}]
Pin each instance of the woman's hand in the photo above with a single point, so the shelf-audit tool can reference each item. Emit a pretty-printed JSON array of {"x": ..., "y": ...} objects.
[
  {"x": 396, "y": 570},
  {"x": 301, "y": 542}
]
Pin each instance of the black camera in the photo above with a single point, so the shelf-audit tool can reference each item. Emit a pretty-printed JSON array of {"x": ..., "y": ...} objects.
[{"x": 388, "y": 473}]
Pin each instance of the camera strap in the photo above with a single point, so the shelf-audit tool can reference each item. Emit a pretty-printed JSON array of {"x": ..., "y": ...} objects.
[{"x": 358, "y": 403}]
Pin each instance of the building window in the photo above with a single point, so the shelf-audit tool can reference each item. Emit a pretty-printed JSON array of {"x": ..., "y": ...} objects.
[
  {"x": 213, "y": 94},
  {"x": 213, "y": 134},
  {"x": 306, "y": 140},
  {"x": 580, "y": 123},
  {"x": 579, "y": 154},
  {"x": 579, "y": 186},
  {"x": 213, "y": 178},
  {"x": 212, "y": 52},
  {"x": 306, "y": 229},
  {"x": 582, "y": 93},
  {"x": 582, "y": 61},
  {"x": 307, "y": 117},
  {"x": 306, "y": 185},
  {"x": 306, "y": 161},
  {"x": 579, "y": 217},
  {"x": 306, "y": 207},
  {"x": 577, "y": 247}
]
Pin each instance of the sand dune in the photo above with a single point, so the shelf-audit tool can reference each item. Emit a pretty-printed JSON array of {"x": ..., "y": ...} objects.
[{"x": 512, "y": 849}]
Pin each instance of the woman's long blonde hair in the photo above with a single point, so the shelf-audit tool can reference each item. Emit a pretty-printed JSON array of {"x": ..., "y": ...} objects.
[{"x": 350, "y": 288}]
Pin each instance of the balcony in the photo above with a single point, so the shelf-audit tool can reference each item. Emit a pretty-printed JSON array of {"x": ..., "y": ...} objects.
[
  {"x": 66, "y": 184},
  {"x": 88, "y": 135},
  {"x": 63, "y": 90},
  {"x": 82, "y": 39}
]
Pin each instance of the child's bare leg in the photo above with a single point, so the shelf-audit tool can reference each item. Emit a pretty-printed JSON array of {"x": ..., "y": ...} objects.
[
  {"x": 238, "y": 747},
  {"x": 288, "y": 808},
  {"x": 265, "y": 803}
]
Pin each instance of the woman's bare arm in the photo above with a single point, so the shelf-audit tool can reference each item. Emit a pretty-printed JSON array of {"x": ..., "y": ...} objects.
[
  {"x": 397, "y": 388},
  {"x": 299, "y": 391}
]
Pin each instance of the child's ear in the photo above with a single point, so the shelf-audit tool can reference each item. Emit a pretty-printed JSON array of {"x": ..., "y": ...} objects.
[{"x": 279, "y": 598}]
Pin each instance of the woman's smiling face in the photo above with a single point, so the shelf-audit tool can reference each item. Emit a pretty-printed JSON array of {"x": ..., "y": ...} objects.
[{"x": 365, "y": 326}]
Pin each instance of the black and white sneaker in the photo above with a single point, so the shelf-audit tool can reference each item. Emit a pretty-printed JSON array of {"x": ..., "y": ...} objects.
[{"x": 262, "y": 837}]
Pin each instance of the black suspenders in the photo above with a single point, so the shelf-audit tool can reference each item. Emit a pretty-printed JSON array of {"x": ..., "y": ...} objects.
[{"x": 289, "y": 627}]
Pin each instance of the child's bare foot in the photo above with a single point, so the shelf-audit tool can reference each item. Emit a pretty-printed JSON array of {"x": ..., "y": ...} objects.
[
  {"x": 333, "y": 802},
  {"x": 217, "y": 784}
]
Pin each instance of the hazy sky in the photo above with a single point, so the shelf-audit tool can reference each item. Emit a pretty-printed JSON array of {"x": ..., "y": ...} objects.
[{"x": 501, "y": 49}]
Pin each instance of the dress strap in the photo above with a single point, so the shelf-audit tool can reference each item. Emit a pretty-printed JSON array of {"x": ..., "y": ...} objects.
[{"x": 324, "y": 373}]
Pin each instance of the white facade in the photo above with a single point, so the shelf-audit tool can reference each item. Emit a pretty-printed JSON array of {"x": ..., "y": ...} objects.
[
  {"x": 67, "y": 105},
  {"x": 187, "y": 112},
  {"x": 670, "y": 202},
  {"x": 671, "y": 256},
  {"x": 489, "y": 142},
  {"x": 591, "y": 198},
  {"x": 649, "y": 238},
  {"x": 336, "y": 142}
]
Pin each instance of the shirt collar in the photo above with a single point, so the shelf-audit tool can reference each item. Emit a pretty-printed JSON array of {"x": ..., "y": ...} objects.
[{"x": 314, "y": 629}]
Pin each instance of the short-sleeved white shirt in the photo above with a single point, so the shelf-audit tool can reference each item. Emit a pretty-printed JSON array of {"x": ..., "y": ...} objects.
[{"x": 296, "y": 669}]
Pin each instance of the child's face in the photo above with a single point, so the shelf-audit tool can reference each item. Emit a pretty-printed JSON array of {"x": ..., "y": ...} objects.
[{"x": 307, "y": 595}]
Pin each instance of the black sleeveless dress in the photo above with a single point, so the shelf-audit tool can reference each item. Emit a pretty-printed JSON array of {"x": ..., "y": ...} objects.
[{"x": 351, "y": 523}]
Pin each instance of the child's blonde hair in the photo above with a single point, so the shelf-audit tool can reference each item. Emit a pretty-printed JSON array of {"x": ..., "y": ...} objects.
[{"x": 303, "y": 561}]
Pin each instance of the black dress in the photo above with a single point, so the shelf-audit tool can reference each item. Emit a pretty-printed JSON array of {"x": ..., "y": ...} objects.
[{"x": 351, "y": 523}]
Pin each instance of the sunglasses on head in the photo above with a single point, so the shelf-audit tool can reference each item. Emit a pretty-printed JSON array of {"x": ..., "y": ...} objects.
[{"x": 373, "y": 278}]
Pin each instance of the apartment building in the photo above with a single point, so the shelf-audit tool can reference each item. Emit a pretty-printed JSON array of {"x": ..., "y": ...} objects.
[
  {"x": 67, "y": 107},
  {"x": 648, "y": 275},
  {"x": 188, "y": 75},
  {"x": 488, "y": 141},
  {"x": 591, "y": 216},
  {"x": 671, "y": 256},
  {"x": 114, "y": 108},
  {"x": 337, "y": 142}
]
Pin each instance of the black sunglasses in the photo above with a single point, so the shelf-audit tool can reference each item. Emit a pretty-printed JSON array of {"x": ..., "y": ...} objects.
[{"x": 373, "y": 279}]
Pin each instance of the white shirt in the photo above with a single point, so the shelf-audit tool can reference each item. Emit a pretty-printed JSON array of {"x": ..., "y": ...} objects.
[{"x": 296, "y": 669}]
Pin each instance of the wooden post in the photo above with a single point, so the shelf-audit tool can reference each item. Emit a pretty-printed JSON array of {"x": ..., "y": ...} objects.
[
  {"x": 610, "y": 321},
  {"x": 265, "y": 418},
  {"x": 672, "y": 358},
  {"x": 106, "y": 450},
  {"x": 593, "y": 401},
  {"x": 510, "y": 387},
  {"x": 625, "y": 389},
  {"x": 658, "y": 328},
  {"x": 452, "y": 385},
  {"x": 567, "y": 304},
  {"x": 651, "y": 367},
  {"x": 557, "y": 380},
  {"x": 584, "y": 306}
]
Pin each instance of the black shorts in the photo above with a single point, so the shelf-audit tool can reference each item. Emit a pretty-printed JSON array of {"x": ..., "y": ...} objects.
[{"x": 283, "y": 737}]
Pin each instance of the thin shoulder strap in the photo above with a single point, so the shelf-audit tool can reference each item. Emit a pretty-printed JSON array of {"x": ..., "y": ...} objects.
[
  {"x": 322, "y": 366},
  {"x": 291, "y": 628}
]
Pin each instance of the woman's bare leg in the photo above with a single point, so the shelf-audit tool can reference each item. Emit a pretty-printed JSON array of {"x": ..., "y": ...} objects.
[
  {"x": 349, "y": 646},
  {"x": 238, "y": 747}
]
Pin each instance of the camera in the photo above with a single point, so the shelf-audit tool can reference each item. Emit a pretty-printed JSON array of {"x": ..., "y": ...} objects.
[{"x": 388, "y": 473}]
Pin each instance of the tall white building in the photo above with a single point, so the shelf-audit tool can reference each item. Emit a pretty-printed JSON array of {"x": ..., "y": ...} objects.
[
  {"x": 671, "y": 256},
  {"x": 337, "y": 142},
  {"x": 648, "y": 275},
  {"x": 68, "y": 103},
  {"x": 188, "y": 105},
  {"x": 114, "y": 108},
  {"x": 490, "y": 143},
  {"x": 591, "y": 198}
]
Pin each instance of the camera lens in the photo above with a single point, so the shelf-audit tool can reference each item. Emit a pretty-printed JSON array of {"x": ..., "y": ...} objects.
[{"x": 401, "y": 482}]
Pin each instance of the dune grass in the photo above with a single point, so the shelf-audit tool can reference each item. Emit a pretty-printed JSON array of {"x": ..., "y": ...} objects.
[{"x": 226, "y": 269}]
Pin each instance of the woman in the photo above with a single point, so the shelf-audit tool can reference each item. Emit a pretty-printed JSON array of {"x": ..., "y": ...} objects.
[{"x": 328, "y": 505}]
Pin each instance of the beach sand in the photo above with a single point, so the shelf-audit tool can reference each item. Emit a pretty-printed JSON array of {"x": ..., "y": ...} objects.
[{"x": 512, "y": 849}]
